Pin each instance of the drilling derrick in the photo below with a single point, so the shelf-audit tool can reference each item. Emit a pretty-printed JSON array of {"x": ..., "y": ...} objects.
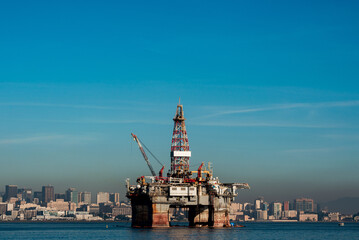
[
  {"x": 207, "y": 199},
  {"x": 180, "y": 153}
]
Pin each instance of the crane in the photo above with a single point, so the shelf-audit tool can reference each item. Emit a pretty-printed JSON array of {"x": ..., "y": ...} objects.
[{"x": 135, "y": 138}]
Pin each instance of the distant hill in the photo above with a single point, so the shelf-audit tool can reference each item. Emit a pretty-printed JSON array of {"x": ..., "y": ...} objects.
[{"x": 346, "y": 205}]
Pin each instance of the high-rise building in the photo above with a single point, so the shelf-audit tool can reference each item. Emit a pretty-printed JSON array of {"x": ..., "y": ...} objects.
[
  {"x": 79, "y": 196},
  {"x": 3, "y": 208},
  {"x": 291, "y": 206},
  {"x": 103, "y": 197},
  {"x": 48, "y": 194},
  {"x": 257, "y": 204},
  {"x": 85, "y": 197},
  {"x": 115, "y": 198},
  {"x": 286, "y": 206},
  {"x": 71, "y": 195},
  {"x": 26, "y": 194},
  {"x": 10, "y": 191},
  {"x": 265, "y": 206},
  {"x": 262, "y": 215},
  {"x": 38, "y": 196},
  {"x": 276, "y": 209},
  {"x": 304, "y": 204}
]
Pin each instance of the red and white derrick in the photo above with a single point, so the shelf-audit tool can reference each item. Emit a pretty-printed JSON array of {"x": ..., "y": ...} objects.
[{"x": 180, "y": 152}]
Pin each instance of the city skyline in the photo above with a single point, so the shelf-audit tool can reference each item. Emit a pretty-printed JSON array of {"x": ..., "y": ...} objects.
[
  {"x": 343, "y": 205},
  {"x": 269, "y": 90},
  {"x": 48, "y": 194},
  {"x": 23, "y": 204}
]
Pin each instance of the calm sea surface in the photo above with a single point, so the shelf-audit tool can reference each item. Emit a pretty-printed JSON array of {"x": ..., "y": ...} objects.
[{"x": 252, "y": 231}]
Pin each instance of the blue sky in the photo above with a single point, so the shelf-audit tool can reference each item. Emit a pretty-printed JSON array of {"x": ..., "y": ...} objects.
[{"x": 270, "y": 92}]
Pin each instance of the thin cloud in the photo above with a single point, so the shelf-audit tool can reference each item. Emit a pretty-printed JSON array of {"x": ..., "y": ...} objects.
[
  {"x": 29, "y": 139},
  {"x": 104, "y": 121},
  {"x": 62, "y": 106},
  {"x": 342, "y": 137},
  {"x": 264, "y": 124},
  {"x": 67, "y": 139},
  {"x": 286, "y": 106},
  {"x": 114, "y": 121},
  {"x": 125, "y": 105},
  {"x": 314, "y": 150}
]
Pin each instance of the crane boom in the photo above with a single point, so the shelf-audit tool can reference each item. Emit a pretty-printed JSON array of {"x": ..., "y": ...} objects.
[{"x": 143, "y": 154}]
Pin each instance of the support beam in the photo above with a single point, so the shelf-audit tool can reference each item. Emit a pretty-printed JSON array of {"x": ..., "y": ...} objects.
[
  {"x": 160, "y": 215},
  {"x": 150, "y": 215},
  {"x": 141, "y": 215},
  {"x": 220, "y": 219}
]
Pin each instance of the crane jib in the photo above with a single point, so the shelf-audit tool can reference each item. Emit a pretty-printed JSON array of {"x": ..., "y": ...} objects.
[{"x": 144, "y": 154}]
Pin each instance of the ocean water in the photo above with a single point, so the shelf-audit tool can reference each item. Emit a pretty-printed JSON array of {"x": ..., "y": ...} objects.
[{"x": 87, "y": 231}]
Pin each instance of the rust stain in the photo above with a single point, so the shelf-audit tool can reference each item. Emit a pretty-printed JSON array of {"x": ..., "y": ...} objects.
[{"x": 159, "y": 217}]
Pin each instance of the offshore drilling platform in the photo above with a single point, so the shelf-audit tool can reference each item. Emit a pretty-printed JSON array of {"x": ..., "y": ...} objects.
[{"x": 206, "y": 198}]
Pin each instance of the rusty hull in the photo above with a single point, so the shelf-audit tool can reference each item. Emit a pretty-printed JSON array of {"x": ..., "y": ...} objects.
[
  {"x": 160, "y": 215},
  {"x": 147, "y": 214}
]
